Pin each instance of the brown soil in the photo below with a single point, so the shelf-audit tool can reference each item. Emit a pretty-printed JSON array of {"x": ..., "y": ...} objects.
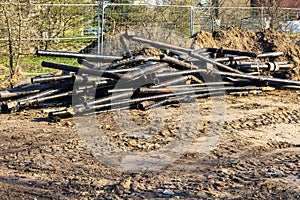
[
  {"x": 256, "y": 157},
  {"x": 266, "y": 41}
]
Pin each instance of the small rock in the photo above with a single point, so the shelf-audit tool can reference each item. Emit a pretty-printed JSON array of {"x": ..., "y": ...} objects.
[
  {"x": 219, "y": 184},
  {"x": 84, "y": 194},
  {"x": 126, "y": 183},
  {"x": 68, "y": 123},
  {"x": 107, "y": 127},
  {"x": 168, "y": 192},
  {"x": 275, "y": 172}
]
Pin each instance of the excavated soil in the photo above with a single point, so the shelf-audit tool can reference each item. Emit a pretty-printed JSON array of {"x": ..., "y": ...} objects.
[
  {"x": 267, "y": 40},
  {"x": 256, "y": 157}
]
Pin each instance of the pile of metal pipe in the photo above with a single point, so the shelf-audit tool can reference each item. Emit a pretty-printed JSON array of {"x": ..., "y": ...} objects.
[{"x": 178, "y": 75}]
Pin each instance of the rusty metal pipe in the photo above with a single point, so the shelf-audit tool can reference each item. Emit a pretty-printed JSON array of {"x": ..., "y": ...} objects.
[
  {"x": 16, "y": 92},
  {"x": 177, "y": 62},
  {"x": 142, "y": 105}
]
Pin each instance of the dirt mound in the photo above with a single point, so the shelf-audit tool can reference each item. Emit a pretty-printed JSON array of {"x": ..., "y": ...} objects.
[
  {"x": 265, "y": 41},
  {"x": 234, "y": 38},
  {"x": 205, "y": 39},
  {"x": 271, "y": 40}
]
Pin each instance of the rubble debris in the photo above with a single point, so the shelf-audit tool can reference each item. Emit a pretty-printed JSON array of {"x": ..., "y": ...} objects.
[{"x": 172, "y": 75}]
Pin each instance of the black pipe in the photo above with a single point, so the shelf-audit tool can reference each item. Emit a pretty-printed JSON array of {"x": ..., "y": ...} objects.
[
  {"x": 109, "y": 98},
  {"x": 236, "y": 58},
  {"x": 56, "y": 89},
  {"x": 82, "y": 70},
  {"x": 211, "y": 61},
  {"x": 93, "y": 66},
  {"x": 228, "y": 74},
  {"x": 136, "y": 60},
  {"x": 232, "y": 52},
  {"x": 156, "y": 44},
  {"x": 143, "y": 90},
  {"x": 159, "y": 84},
  {"x": 38, "y": 100},
  {"x": 96, "y": 57},
  {"x": 145, "y": 69},
  {"x": 57, "y": 115},
  {"x": 125, "y": 45},
  {"x": 47, "y": 79},
  {"x": 162, "y": 96}
]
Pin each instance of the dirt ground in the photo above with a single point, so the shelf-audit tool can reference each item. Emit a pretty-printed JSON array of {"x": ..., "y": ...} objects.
[{"x": 256, "y": 156}]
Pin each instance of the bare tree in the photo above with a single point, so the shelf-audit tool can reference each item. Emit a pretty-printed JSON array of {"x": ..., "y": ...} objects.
[{"x": 13, "y": 18}]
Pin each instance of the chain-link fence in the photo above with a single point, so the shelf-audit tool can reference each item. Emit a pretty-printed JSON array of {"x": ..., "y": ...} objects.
[
  {"x": 27, "y": 27},
  {"x": 67, "y": 26}
]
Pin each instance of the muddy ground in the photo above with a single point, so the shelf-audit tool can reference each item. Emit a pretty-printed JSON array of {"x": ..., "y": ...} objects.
[{"x": 257, "y": 155}]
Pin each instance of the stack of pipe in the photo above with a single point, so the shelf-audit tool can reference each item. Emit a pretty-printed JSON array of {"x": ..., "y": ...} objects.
[{"x": 177, "y": 75}]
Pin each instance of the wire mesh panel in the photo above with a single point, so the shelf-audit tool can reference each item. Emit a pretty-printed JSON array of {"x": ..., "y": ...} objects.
[
  {"x": 249, "y": 18},
  {"x": 122, "y": 16},
  {"x": 29, "y": 27},
  {"x": 65, "y": 25}
]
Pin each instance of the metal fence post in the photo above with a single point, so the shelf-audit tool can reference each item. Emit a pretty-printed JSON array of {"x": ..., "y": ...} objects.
[
  {"x": 99, "y": 27},
  {"x": 262, "y": 17},
  {"x": 104, "y": 4},
  {"x": 192, "y": 17}
]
